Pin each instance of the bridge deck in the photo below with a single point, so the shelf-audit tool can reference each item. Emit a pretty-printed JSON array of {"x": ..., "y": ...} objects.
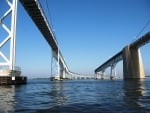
[
  {"x": 136, "y": 44},
  {"x": 35, "y": 11},
  {"x": 112, "y": 60},
  {"x": 141, "y": 41}
]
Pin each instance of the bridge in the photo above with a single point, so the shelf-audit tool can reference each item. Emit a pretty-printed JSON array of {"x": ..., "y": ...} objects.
[
  {"x": 35, "y": 11},
  {"x": 132, "y": 60},
  {"x": 130, "y": 54}
]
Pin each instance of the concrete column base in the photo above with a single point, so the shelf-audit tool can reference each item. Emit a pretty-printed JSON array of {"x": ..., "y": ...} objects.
[{"x": 132, "y": 64}]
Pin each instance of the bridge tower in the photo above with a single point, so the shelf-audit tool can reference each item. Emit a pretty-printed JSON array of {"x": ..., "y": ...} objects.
[
  {"x": 132, "y": 63},
  {"x": 9, "y": 73},
  {"x": 58, "y": 70},
  {"x": 11, "y": 35}
]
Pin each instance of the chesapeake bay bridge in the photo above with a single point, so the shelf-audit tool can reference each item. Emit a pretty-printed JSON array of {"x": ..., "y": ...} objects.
[
  {"x": 132, "y": 60},
  {"x": 130, "y": 54},
  {"x": 35, "y": 11}
]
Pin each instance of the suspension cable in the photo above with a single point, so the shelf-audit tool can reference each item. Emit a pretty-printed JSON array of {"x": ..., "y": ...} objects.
[
  {"x": 148, "y": 22},
  {"x": 49, "y": 14}
]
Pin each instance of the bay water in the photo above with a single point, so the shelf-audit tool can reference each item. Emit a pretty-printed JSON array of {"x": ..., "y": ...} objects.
[{"x": 76, "y": 96}]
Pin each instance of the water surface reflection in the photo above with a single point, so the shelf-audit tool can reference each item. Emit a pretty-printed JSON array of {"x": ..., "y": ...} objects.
[
  {"x": 44, "y": 96},
  {"x": 7, "y": 99},
  {"x": 134, "y": 91},
  {"x": 57, "y": 93}
]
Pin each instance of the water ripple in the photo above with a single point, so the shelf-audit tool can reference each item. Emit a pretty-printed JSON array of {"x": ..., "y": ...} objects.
[{"x": 87, "y": 96}]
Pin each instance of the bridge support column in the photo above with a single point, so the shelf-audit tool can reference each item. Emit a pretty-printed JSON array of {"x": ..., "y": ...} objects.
[
  {"x": 58, "y": 70},
  {"x": 132, "y": 63},
  {"x": 97, "y": 75},
  {"x": 102, "y": 74},
  {"x": 113, "y": 71},
  {"x": 9, "y": 73},
  {"x": 55, "y": 65},
  {"x": 63, "y": 74},
  {"x": 9, "y": 62}
]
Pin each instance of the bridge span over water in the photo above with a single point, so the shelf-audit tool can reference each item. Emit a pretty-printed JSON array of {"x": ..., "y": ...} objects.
[
  {"x": 132, "y": 60},
  {"x": 35, "y": 11}
]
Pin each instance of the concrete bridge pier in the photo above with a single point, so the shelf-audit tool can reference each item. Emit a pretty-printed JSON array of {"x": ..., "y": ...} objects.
[
  {"x": 63, "y": 73},
  {"x": 97, "y": 75},
  {"x": 132, "y": 63},
  {"x": 58, "y": 69},
  {"x": 55, "y": 65},
  {"x": 113, "y": 71},
  {"x": 103, "y": 74}
]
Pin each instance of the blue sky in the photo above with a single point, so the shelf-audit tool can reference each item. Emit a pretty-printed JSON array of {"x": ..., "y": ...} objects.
[{"x": 88, "y": 32}]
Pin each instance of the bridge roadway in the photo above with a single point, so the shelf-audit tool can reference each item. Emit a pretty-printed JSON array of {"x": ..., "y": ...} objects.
[
  {"x": 141, "y": 41},
  {"x": 35, "y": 11},
  {"x": 120, "y": 55},
  {"x": 112, "y": 60}
]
